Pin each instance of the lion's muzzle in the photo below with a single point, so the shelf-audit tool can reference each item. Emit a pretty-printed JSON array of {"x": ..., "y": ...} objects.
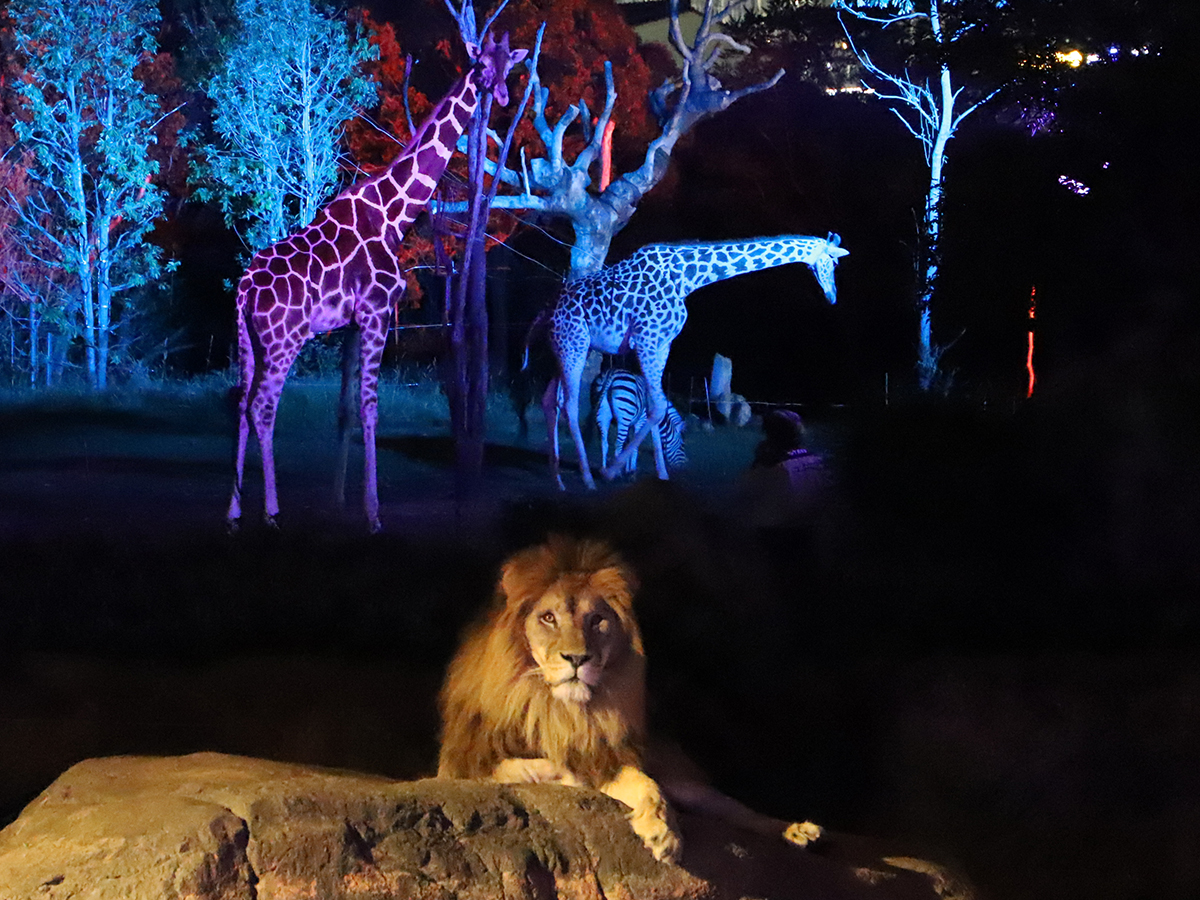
[{"x": 572, "y": 691}]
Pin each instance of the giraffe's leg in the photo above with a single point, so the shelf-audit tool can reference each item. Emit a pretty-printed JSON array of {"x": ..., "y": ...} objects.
[
  {"x": 351, "y": 348},
  {"x": 263, "y": 407},
  {"x": 550, "y": 406},
  {"x": 626, "y": 460},
  {"x": 660, "y": 459},
  {"x": 374, "y": 334},
  {"x": 234, "y": 514},
  {"x": 245, "y": 388},
  {"x": 570, "y": 384}
]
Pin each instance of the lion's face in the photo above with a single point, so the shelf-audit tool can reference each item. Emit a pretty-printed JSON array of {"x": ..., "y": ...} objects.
[
  {"x": 574, "y": 635},
  {"x": 554, "y": 671}
]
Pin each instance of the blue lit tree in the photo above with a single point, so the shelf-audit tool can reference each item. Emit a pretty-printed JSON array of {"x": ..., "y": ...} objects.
[
  {"x": 84, "y": 129},
  {"x": 925, "y": 98},
  {"x": 285, "y": 83}
]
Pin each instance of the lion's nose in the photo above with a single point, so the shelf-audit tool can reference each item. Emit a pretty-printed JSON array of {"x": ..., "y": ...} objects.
[{"x": 576, "y": 659}]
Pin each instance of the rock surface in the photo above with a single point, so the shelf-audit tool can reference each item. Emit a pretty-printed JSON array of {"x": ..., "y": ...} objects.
[{"x": 216, "y": 827}]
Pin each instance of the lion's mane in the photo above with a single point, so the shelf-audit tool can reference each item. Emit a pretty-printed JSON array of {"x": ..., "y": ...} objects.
[{"x": 495, "y": 705}]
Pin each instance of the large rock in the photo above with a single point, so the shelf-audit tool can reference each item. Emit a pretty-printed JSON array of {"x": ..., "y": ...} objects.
[{"x": 223, "y": 827}]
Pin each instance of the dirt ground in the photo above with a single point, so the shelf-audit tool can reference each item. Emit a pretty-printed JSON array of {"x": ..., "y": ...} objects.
[{"x": 1045, "y": 740}]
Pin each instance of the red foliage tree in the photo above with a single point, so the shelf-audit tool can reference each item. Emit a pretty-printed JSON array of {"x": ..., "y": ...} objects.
[
  {"x": 157, "y": 73},
  {"x": 581, "y": 35}
]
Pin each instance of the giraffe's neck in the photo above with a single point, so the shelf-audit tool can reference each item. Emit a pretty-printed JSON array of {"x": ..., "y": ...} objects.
[
  {"x": 691, "y": 266},
  {"x": 407, "y": 185}
]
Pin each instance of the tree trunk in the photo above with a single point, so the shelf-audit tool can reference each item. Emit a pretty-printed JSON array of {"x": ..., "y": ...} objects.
[
  {"x": 103, "y": 305},
  {"x": 471, "y": 458},
  {"x": 35, "y": 322},
  {"x": 468, "y": 381},
  {"x": 87, "y": 299},
  {"x": 456, "y": 370},
  {"x": 929, "y": 353},
  {"x": 592, "y": 240},
  {"x": 88, "y": 305}
]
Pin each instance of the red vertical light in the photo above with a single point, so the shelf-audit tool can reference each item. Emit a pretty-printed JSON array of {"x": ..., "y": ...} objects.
[
  {"x": 606, "y": 154},
  {"x": 1029, "y": 347}
]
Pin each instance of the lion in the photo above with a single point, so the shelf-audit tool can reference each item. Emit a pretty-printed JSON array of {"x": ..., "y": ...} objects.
[{"x": 549, "y": 686}]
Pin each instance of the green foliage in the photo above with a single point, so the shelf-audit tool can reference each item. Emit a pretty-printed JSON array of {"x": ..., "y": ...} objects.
[
  {"x": 287, "y": 79},
  {"x": 86, "y": 123}
]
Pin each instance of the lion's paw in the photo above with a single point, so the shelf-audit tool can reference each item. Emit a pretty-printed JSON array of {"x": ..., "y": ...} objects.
[
  {"x": 650, "y": 816},
  {"x": 653, "y": 825},
  {"x": 802, "y": 833},
  {"x": 532, "y": 771}
]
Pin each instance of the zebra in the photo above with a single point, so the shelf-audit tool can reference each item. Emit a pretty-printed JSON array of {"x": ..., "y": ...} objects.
[{"x": 621, "y": 397}]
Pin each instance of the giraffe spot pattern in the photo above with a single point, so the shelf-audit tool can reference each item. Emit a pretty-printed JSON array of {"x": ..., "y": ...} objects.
[{"x": 387, "y": 191}]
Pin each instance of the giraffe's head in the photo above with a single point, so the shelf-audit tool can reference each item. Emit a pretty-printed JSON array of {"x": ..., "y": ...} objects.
[
  {"x": 824, "y": 264},
  {"x": 493, "y": 62}
]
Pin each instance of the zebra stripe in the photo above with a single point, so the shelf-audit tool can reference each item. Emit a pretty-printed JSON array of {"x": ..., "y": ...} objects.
[{"x": 621, "y": 397}]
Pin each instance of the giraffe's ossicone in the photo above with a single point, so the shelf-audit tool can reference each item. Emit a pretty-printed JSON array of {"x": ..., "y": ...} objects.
[
  {"x": 638, "y": 305},
  {"x": 341, "y": 270}
]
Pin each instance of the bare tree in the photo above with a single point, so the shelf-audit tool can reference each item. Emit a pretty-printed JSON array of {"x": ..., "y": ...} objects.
[
  {"x": 931, "y": 108},
  {"x": 556, "y": 185}
]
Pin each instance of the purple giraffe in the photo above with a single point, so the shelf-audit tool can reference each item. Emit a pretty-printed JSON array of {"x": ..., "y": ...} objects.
[{"x": 341, "y": 270}]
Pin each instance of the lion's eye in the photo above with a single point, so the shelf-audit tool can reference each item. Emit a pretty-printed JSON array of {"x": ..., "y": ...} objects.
[{"x": 547, "y": 618}]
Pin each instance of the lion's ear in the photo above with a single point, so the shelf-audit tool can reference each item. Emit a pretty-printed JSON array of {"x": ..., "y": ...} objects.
[
  {"x": 617, "y": 584},
  {"x": 523, "y": 576},
  {"x": 615, "y": 581},
  {"x": 630, "y": 624},
  {"x": 631, "y": 583}
]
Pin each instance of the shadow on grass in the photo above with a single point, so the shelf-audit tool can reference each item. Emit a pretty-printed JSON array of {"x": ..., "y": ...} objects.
[
  {"x": 99, "y": 465},
  {"x": 439, "y": 450}
]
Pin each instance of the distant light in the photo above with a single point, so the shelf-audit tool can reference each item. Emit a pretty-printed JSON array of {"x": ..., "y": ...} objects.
[
  {"x": 1074, "y": 186},
  {"x": 850, "y": 89},
  {"x": 1093, "y": 58},
  {"x": 1136, "y": 52},
  {"x": 1072, "y": 58},
  {"x": 1114, "y": 50}
]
